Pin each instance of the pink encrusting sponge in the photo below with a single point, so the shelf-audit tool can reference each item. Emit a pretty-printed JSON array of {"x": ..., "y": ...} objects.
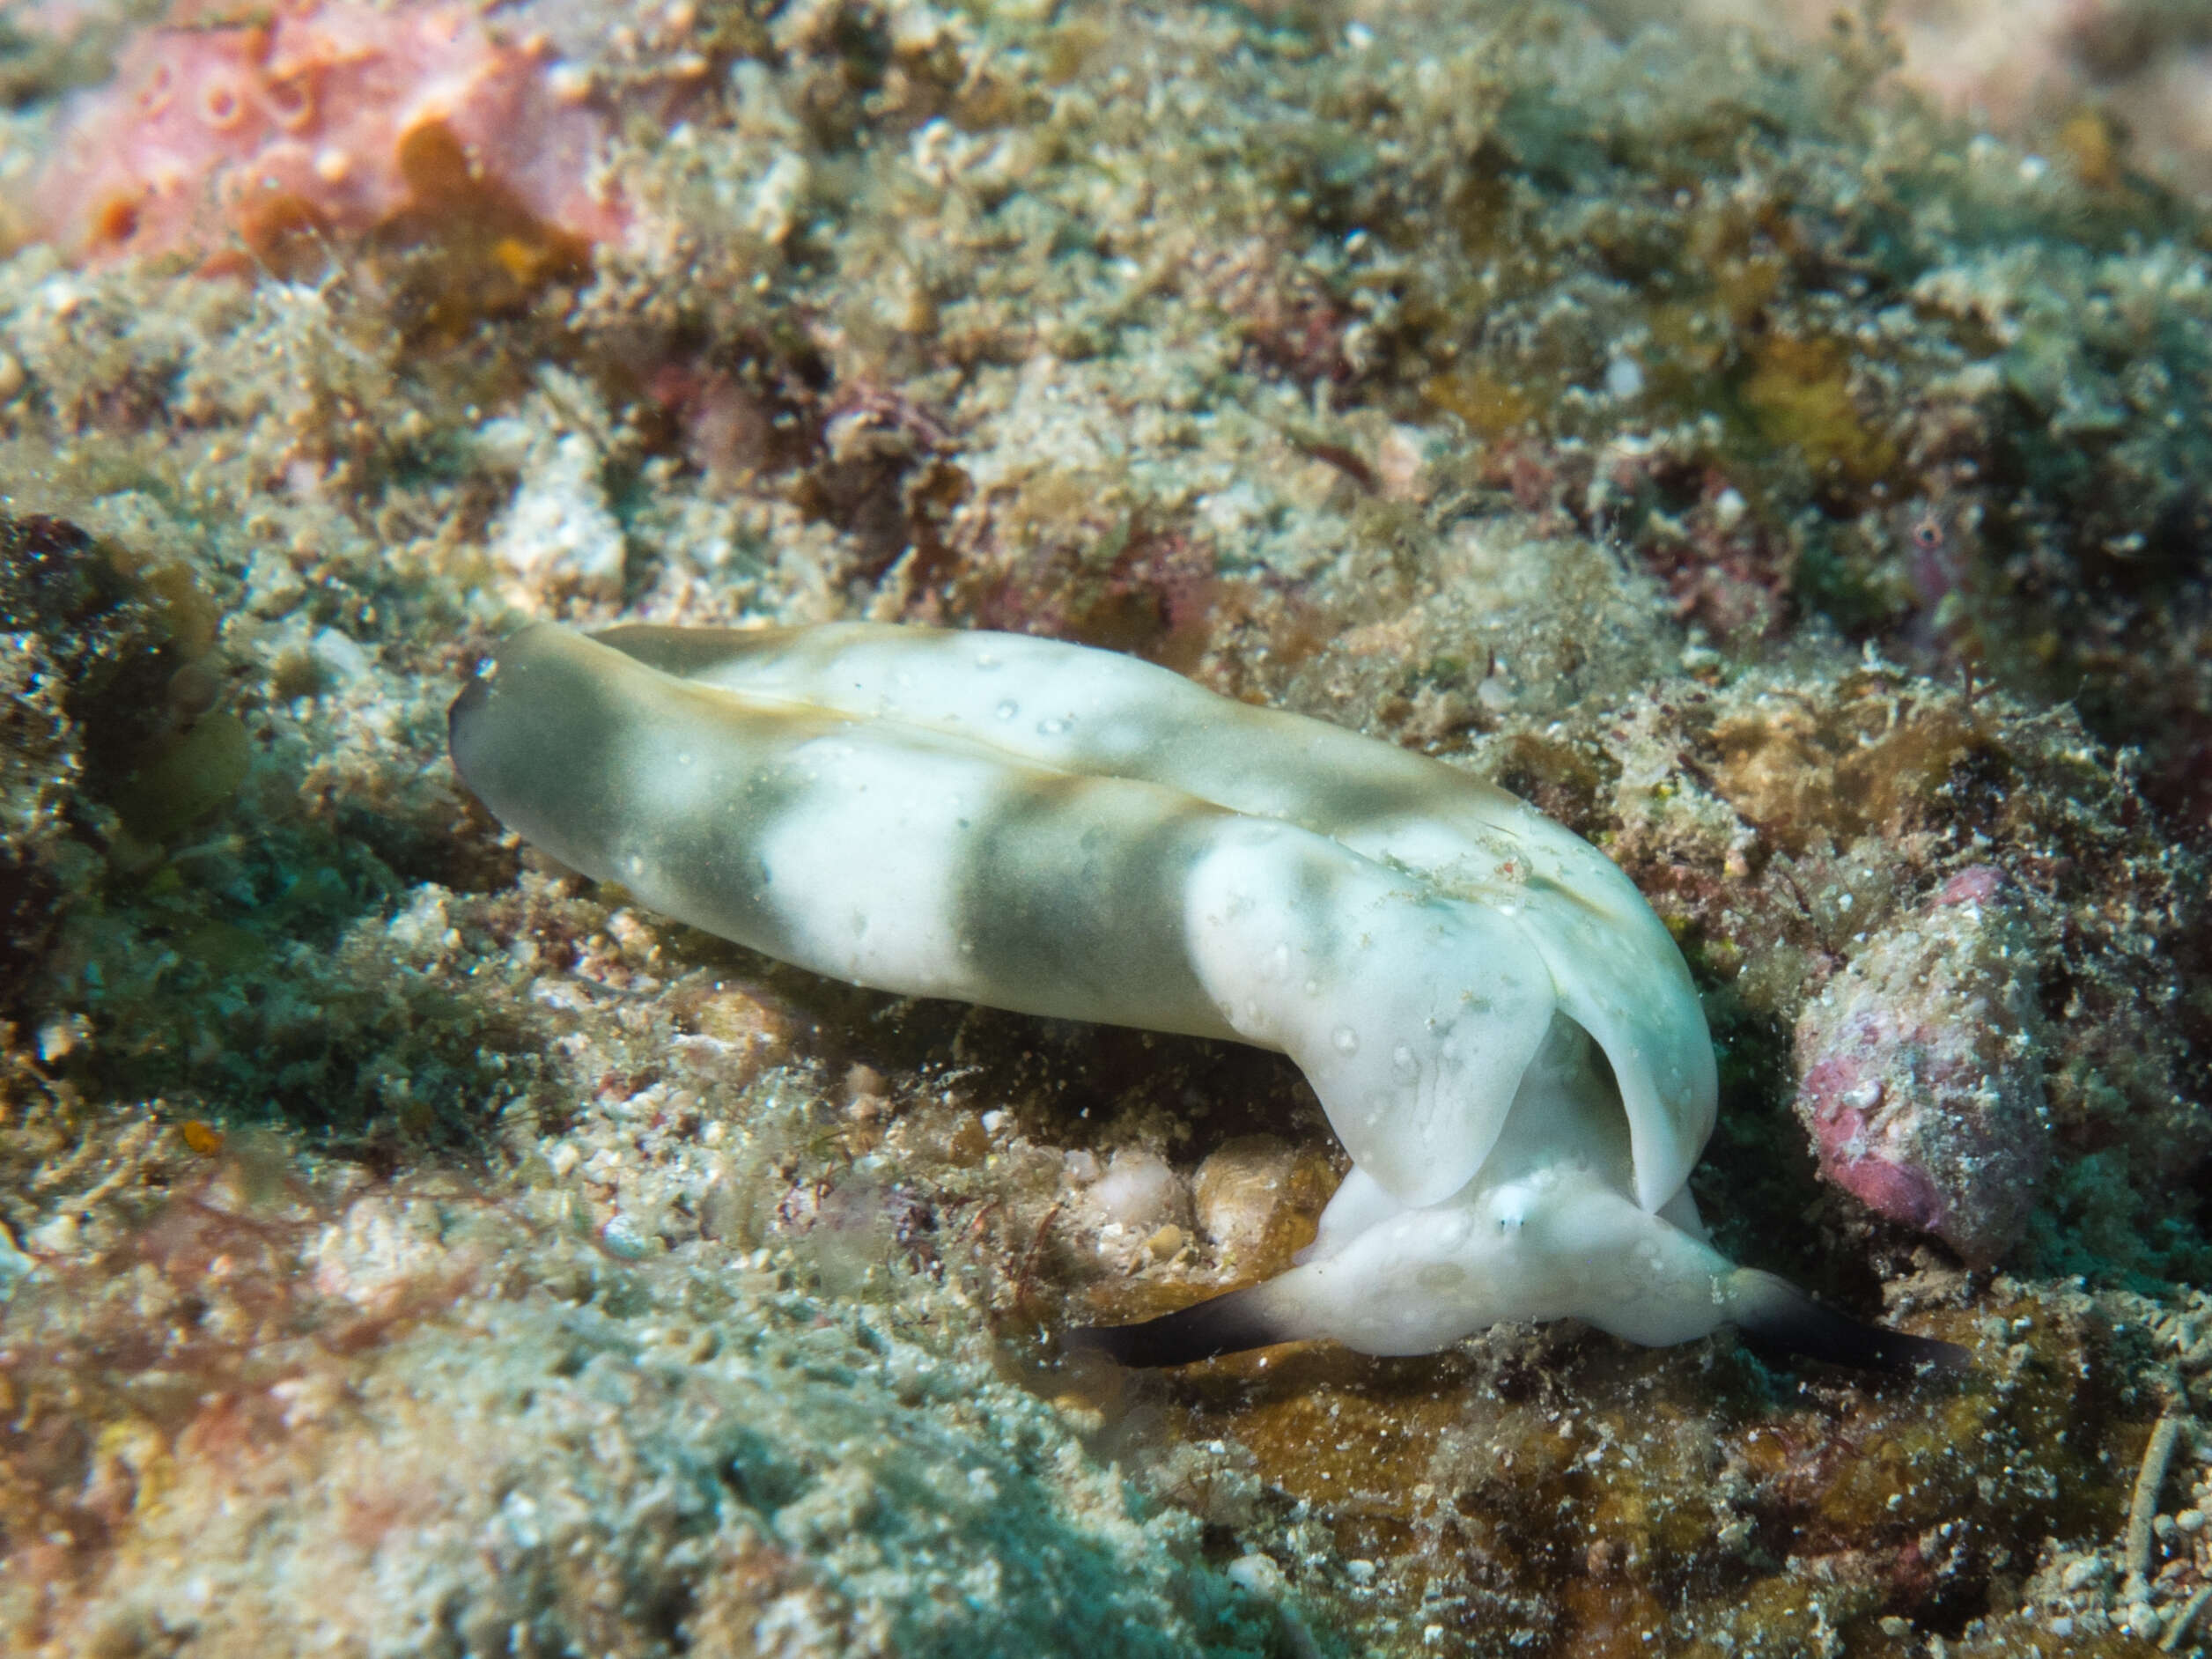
[
  {"x": 327, "y": 116},
  {"x": 1921, "y": 1067}
]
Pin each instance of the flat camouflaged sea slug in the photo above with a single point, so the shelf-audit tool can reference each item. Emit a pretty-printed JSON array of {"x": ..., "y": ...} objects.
[{"x": 1502, "y": 1033}]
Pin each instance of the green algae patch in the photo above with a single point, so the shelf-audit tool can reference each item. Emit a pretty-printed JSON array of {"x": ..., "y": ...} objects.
[
  {"x": 191, "y": 777},
  {"x": 187, "y": 613}
]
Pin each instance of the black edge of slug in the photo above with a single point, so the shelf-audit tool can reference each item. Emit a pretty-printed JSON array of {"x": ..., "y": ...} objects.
[
  {"x": 1789, "y": 1321},
  {"x": 1204, "y": 1330},
  {"x": 1785, "y": 1321},
  {"x": 462, "y": 718}
]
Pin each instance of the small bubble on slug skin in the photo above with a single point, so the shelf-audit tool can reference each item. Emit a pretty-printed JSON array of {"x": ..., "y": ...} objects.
[
  {"x": 1404, "y": 1065},
  {"x": 1007, "y": 710},
  {"x": 684, "y": 757},
  {"x": 1050, "y": 728},
  {"x": 1279, "y": 962},
  {"x": 1346, "y": 1039}
]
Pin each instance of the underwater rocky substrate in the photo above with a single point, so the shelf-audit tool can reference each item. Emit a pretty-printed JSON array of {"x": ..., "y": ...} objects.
[{"x": 410, "y": 1248}]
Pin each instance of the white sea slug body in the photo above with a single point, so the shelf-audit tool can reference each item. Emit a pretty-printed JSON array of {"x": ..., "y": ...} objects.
[{"x": 1502, "y": 1033}]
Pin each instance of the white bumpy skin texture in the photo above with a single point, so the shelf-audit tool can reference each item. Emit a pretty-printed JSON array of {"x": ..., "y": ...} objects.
[{"x": 1501, "y": 1031}]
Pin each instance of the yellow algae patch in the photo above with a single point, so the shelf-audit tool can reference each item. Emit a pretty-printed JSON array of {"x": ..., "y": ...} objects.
[
  {"x": 1874, "y": 764},
  {"x": 1610, "y": 1618},
  {"x": 201, "y": 1137},
  {"x": 1258, "y": 1202},
  {"x": 131, "y": 1461},
  {"x": 1799, "y": 391},
  {"x": 1491, "y": 406},
  {"x": 1353, "y": 1438}
]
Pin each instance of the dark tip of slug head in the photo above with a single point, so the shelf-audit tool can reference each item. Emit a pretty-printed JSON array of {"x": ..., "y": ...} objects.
[
  {"x": 460, "y": 718},
  {"x": 1204, "y": 1330},
  {"x": 1773, "y": 1313}
]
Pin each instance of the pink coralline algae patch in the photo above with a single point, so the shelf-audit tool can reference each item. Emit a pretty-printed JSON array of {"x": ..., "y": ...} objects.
[
  {"x": 326, "y": 115},
  {"x": 1920, "y": 1070}
]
